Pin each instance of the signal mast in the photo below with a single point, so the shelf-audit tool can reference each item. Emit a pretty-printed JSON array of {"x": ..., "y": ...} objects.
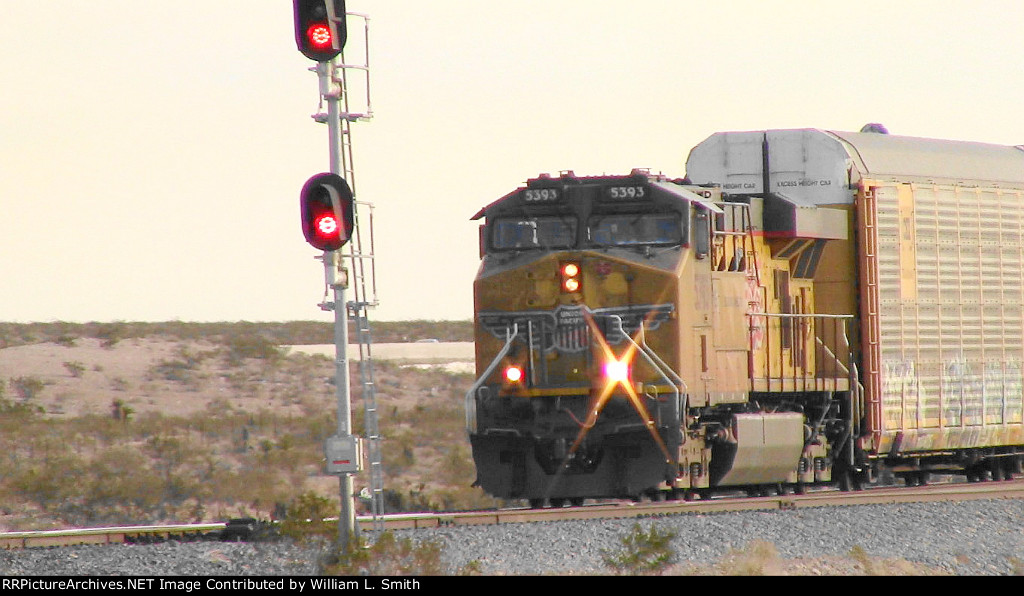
[{"x": 329, "y": 214}]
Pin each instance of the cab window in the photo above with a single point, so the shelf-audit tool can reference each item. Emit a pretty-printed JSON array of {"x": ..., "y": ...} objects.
[
  {"x": 533, "y": 232},
  {"x": 632, "y": 229}
]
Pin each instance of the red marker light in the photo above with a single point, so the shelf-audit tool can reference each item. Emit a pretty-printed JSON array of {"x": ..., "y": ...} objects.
[
  {"x": 319, "y": 34},
  {"x": 570, "y": 277},
  {"x": 514, "y": 374}
]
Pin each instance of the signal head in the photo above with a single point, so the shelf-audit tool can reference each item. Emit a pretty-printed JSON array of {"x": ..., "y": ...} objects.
[
  {"x": 320, "y": 30},
  {"x": 326, "y": 209}
]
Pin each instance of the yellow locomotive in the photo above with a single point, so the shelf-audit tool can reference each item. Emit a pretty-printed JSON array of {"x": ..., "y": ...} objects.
[{"x": 806, "y": 307}]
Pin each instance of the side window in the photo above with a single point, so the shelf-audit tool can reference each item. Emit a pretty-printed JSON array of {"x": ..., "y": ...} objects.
[{"x": 701, "y": 233}]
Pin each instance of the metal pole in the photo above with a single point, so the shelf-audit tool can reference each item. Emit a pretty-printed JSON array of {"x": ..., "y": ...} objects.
[{"x": 332, "y": 267}]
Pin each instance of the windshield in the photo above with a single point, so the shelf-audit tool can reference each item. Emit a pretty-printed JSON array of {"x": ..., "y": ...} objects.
[
  {"x": 635, "y": 229},
  {"x": 533, "y": 232}
]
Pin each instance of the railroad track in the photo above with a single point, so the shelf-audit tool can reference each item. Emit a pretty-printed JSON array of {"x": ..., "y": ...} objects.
[{"x": 243, "y": 529}]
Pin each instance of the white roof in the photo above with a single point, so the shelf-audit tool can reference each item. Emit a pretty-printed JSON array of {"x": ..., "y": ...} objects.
[{"x": 877, "y": 155}]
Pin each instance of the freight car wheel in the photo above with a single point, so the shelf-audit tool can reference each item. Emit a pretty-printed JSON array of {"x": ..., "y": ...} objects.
[
  {"x": 536, "y": 503},
  {"x": 850, "y": 480}
]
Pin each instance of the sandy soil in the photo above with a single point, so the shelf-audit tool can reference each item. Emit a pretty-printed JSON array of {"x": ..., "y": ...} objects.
[{"x": 87, "y": 378}]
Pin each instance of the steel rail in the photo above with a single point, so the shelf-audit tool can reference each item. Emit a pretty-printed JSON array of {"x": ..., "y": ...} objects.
[{"x": 957, "y": 491}]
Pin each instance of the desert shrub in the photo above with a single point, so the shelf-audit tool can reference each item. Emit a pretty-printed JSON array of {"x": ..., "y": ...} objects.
[
  {"x": 643, "y": 552},
  {"x": 457, "y": 467},
  {"x": 184, "y": 370},
  {"x": 752, "y": 560},
  {"x": 110, "y": 333},
  {"x": 306, "y": 519},
  {"x": 67, "y": 340},
  {"x": 27, "y": 387},
  {"x": 398, "y": 451},
  {"x": 241, "y": 347},
  {"x": 121, "y": 487},
  {"x": 387, "y": 556},
  {"x": 52, "y": 480},
  {"x": 75, "y": 369}
]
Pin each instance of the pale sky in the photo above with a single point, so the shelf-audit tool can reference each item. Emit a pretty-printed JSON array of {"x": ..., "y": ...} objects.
[{"x": 151, "y": 153}]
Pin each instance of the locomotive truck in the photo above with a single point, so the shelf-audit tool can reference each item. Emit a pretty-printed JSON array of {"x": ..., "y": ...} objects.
[{"x": 805, "y": 307}]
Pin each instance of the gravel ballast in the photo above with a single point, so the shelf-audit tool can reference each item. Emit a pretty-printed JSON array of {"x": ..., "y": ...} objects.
[{"x": 958, "y": 538}]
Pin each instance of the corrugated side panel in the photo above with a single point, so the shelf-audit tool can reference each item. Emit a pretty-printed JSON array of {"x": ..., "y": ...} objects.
[{"x": 951, "y": 316}]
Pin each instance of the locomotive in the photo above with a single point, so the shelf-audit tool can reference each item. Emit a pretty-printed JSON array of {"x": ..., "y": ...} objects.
[{"x": 805, "y": 307}]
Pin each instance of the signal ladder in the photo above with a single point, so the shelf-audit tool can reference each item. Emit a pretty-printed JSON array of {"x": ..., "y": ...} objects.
[{"x": 362, "y": 273}]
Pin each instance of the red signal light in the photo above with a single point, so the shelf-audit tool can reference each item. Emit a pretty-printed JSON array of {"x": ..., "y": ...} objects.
[
  {"x": 319, "y": 35},
  {"x": 327, "y": 227}
]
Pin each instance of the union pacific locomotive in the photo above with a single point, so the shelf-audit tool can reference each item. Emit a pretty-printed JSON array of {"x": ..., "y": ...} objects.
[{"x": 806, "y": 307}]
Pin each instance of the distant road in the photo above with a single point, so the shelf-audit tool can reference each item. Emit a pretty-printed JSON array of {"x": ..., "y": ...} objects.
[{"x": 404, "y": 353}]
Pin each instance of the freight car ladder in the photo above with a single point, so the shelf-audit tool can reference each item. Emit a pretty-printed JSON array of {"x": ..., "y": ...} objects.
[{"x": 362, "y": 272}]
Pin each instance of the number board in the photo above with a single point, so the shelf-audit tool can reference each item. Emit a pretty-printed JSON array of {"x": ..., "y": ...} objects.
[
  {"x": 541, "y": 195},
  {"x": 626, "y": 193}
]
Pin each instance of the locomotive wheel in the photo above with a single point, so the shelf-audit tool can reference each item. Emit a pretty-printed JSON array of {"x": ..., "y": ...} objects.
[
  {"x": 536, "y": 503},
  {"x": 1008, "y": 470}
]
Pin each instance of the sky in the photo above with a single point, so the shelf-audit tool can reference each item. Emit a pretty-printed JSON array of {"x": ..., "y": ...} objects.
[{"x": 152, "y": 153}]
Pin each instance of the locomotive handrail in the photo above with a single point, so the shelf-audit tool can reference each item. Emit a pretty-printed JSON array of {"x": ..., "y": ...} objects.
[
  {"x": 829, "y": 366},
  {"x": 650, "y": 351},
  {"x": 510, "y": 336}
]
